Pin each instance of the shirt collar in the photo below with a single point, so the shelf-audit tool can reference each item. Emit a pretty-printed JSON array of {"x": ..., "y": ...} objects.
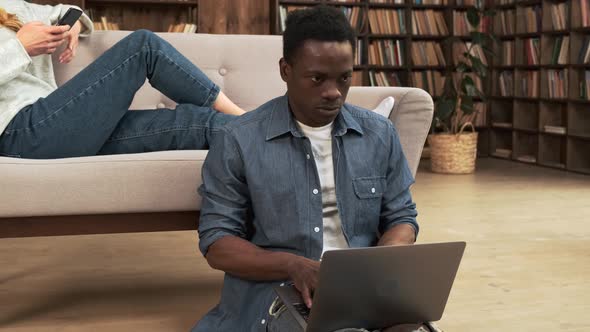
[{"x": 282, "y": 121}]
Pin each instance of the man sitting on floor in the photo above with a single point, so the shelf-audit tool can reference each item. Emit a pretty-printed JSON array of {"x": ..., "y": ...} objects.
[{"x": 302, "y": 174}]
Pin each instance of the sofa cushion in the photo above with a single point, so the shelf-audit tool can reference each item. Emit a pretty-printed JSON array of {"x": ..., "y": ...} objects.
[{"x": 142, "y": 182}]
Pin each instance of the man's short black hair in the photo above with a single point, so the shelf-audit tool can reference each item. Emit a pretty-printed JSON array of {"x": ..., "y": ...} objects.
[{"x": 321, "y": 23}]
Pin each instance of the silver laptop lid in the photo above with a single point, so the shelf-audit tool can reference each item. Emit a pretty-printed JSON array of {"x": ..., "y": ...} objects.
[{"x": 383, "y": 286}]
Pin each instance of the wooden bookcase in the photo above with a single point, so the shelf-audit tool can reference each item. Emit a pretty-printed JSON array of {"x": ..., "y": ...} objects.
[
  {"x": 412, "y": 35},
  {"x": 539, "y": 115},
  {"x": 155, "y": 15}
]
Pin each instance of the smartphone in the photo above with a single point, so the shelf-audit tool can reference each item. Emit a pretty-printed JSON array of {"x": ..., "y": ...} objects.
[{"x": 70, "y": 18}]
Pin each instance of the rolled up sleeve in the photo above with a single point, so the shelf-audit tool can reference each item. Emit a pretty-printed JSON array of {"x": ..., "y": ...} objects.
[
  {"x": 397, "y": 204},
  {"x": 226, "y": 202}
]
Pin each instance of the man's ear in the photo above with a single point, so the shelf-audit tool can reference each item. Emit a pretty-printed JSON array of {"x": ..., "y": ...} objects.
[{"x": 285, "y": 69}]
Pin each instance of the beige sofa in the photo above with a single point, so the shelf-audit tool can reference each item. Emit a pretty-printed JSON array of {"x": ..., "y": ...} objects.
[{"x": 158, "y": 191}]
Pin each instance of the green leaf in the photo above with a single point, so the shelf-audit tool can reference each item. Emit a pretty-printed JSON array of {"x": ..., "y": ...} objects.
[
  {"x": 445, "y": 108},
  {"x": 477, "y": 37},
  {"x": 473, "y": 17},
  {"x": 488, "y": 51},
  {"x": 489, "y": 12},
  {"x": 479, "y": 67},
  {"x": 462, "y": 67},
  {"x": 467, "y": 105},
  {"x": 468, "y": 86}
]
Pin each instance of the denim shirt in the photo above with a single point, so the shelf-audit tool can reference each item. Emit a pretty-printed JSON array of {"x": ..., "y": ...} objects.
[{"x": 260, "y": 183}]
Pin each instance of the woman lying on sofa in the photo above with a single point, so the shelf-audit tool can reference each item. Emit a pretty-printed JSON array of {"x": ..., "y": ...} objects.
[{"x": 89, "y": 114}]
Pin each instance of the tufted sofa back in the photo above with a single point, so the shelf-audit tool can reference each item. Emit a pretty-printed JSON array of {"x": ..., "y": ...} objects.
[{"x": 244, "y": 66}]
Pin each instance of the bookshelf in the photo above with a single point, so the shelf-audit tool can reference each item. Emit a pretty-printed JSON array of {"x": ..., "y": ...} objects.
[
  {"x": 540, "y": 112},
  {"x": 155, "y": 15},
  {"x": 413, "y": 33}
]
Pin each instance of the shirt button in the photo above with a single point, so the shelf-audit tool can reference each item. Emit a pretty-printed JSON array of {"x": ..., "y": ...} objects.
[
  {"x": 263, "y": 321},
  {"x": 222, "y": 71},
  {"x": 373, "y": 190},
  {"x": 317, "y": 229},
  {"x": 308, "y": 156},
  {"x": 315, "y": 191}
]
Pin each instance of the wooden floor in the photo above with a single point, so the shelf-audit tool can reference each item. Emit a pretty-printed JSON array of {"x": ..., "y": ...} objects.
[{"x": 526, "y": 267}]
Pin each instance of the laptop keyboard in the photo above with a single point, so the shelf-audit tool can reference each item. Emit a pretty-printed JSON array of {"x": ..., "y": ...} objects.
[{"x": 302, "y": 309}]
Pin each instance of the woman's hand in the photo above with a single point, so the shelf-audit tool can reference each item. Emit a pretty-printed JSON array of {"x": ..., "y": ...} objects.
[
  {"x": 70, "y": 52},
  {"x": 38, "y": 38}
]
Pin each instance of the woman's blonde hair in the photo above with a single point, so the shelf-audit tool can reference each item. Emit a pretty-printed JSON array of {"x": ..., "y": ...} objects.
[{"x": 9, "y": 20}]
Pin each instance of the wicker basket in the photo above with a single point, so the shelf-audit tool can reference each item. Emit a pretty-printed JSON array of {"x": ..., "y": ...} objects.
[{"x": 453, "y": 153}]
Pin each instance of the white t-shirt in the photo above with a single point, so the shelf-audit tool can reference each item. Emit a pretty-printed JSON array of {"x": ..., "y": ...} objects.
[{"x": 321, "y": 146}]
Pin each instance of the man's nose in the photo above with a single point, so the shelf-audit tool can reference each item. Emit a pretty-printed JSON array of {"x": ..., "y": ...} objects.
[{"x": 331, "y": 91}]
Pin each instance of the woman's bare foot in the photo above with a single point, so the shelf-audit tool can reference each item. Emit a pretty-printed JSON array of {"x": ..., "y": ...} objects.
[{"x": 225, "y": 105}]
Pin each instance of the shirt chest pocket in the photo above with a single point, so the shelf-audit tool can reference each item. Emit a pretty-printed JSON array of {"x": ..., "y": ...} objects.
[
  {"x": 369, "y": 187},
  {"x": 369, "y": 193}
]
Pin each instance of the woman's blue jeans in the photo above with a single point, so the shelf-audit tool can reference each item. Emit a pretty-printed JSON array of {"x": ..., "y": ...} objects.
[{"x": 89, "y": 115}]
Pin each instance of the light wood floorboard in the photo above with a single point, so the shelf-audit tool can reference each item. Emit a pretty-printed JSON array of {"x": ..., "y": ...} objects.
[{"x": 526, "y": 266}]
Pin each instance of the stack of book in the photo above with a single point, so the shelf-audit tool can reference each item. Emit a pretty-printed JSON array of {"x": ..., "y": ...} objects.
[
  {"x": 360, "y": 47},
  {"x": 383, "y": 21},
  {"x": 527, "y": 158},
  {"x": 503, "y": 153},
  {"x": 584, "y": 56},
  {"x": 531, "y": 51},
  {"x": 560, "y": 51},
  {"x": 481, "y": 118},
  {"x": 532, "y": 19},
  {"x": 354, "y": 14},
  {"x": 427, "y": 53},
  {"x": 384, "y": 78},
  {"x": 386, "y": 52},
  {"x": 585, "y": 86},
  {"x": 429, "y": 80},
  {"x": 431, "y": 2},
  {"x": 105, "y": 24},
  {"x": 398, "y": 2},
  {"x": 357, "y": 78},
  {"x": 183, "y": 28},
  {"x": 557, "y": 81},
  {"x": 530, "y": 84},
  {"x": 508, "y": 53},
  {"x": 555, "y": 129},
  {"x": 585, "y": 11},
  {"x": 506, "y": 84},
  {"x": 558, "y": 16},
  {"x": 506, "y": 20},
  {"x": 429, "y": 22}
]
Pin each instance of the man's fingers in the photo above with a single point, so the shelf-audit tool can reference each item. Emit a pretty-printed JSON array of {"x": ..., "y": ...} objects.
[{"x": 306, "y": 294}]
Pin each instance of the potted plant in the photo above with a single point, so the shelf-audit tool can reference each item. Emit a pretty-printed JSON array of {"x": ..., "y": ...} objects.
[{"x": 453, "y": 141}]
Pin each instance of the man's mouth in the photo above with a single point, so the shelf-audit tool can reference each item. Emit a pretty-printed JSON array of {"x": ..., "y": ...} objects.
[{"x": 329, "y": 108}]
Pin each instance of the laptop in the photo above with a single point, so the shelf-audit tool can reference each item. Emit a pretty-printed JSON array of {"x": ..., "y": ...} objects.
[{"x": 378, "y": 287}]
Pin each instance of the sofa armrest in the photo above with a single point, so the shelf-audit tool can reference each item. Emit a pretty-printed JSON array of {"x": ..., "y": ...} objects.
[{"x": 412, "y": 115}]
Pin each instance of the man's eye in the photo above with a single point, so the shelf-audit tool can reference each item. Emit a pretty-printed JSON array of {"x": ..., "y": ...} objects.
[
  {"x": 316, "y": 79},
  {"x": 346, "y": 78}
]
